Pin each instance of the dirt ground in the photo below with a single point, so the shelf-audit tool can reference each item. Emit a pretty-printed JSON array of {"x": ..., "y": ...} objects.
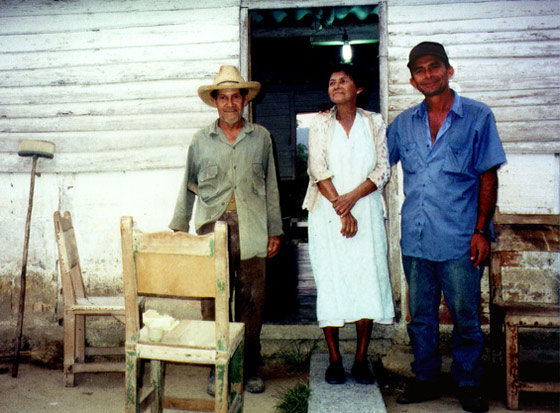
[{"x": 40, "y": 389}]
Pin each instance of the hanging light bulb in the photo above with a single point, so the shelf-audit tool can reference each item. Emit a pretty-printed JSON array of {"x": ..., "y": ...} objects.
[{"x": 346, "y": 49}]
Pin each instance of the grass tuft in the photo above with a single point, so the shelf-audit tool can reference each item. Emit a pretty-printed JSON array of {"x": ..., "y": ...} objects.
[
  {"x": 299, "y": 356},
  {"x": 295, "y": 399}
]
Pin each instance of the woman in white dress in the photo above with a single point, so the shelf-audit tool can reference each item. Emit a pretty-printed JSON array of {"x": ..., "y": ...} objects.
[{"x": 348, "y": 166}]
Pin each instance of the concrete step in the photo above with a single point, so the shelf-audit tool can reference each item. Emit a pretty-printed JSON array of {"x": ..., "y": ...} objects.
[{"x": 350, "y": 397}]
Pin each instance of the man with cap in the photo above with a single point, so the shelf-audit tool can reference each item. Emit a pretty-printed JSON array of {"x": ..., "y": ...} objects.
[
  {"x": 230, "y": 167},
  {"x": 450, "y": 151}
]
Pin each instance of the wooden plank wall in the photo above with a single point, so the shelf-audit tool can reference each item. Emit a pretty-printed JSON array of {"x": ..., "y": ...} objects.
[
  {"x": 505, "y": 54},
  {"x": 112, "y": 83}
]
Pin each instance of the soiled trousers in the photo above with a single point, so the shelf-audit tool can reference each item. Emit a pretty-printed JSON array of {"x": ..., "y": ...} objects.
[
  {"x": 247, "y": 283},
  {"x": 460, "y": 283}
]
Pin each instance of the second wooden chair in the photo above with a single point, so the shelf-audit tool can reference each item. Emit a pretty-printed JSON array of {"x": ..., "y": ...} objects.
[{"x": 78, "y": 306}]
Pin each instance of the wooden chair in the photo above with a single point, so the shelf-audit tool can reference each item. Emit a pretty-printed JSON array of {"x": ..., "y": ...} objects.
[
  {"x": 180, "y": 265},
  {"x": 78, "y": 305},
  {"x": 515, "y": 234}
]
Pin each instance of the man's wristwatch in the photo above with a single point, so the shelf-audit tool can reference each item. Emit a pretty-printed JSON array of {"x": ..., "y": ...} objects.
[{"x": 481, "y": 232}]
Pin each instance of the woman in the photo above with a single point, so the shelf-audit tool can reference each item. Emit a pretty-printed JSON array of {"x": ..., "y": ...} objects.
[{"x": 348, "y": 166}]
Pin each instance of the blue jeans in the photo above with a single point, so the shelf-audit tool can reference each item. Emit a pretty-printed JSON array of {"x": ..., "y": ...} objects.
[{"x": 460, "y": 283}]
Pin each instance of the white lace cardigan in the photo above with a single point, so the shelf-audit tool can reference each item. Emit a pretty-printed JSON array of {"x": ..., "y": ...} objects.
[{"x": 321, "y": 132}]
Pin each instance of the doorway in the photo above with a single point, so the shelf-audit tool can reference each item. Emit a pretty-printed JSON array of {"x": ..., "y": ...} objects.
[{"x": 291, "y": 51}]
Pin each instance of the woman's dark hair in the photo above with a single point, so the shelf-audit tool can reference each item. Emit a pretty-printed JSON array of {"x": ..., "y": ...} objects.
[
  {"x": 359, "y": 78},
  {"x": 244, "y": 92},
  {"x": 353, "y": 71}
]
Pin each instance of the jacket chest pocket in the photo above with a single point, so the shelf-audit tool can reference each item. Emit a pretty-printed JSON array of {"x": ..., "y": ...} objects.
[
  {"x": 208, "y": 181},
  {"x": 259, "y": 179}
]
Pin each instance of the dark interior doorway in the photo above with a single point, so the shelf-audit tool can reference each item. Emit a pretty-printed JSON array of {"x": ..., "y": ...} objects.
[{"x": 292, "y": 51}]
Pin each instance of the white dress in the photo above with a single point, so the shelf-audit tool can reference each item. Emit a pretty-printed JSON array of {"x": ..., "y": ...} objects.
[{"x": 351, "y": 274}]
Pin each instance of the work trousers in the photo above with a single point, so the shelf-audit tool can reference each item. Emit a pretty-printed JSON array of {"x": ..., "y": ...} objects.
[
  {"x": 247, "y": 284},
  {"x": 460, "y": 283}
]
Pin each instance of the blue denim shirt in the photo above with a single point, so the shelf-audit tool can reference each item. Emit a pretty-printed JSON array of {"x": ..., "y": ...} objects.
[{"x": 441, "y": 182}]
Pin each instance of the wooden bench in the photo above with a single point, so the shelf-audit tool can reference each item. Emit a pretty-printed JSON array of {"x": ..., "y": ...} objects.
[{"x": 516, "y": 234}]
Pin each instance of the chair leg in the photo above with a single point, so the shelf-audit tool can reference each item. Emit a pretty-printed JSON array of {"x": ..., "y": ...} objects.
[
  {"x": 221, "y": 395},
  {"x": 80, "y": 338},
  {"x": 236, "y": 377},
  {"x": 512, "y": 367},
  {"x": 132, "y": 403},
  {"x": 157, "y": 376},
  {"x": 69, "y": 324},
  {"x": 496, "y": 335}
]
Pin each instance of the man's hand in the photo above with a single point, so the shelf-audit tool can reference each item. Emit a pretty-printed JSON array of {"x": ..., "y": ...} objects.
[
  {"x": 273, "y": 246},
  {"x": 487, "y": 195},
  {"x": 479, "y": 249},
  {"x": 349, "y": 225}
]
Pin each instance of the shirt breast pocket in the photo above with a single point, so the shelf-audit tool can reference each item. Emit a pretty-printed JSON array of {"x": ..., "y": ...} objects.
[
  {"x": 409, "y": 158},
  {"x": 457, "y": 160},
  {"x": 208, "y": 181},
  {"x": 259, "y": 185}
]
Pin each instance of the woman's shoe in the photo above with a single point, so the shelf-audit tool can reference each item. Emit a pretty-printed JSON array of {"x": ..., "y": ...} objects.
[
  {"x": 335, "y": 373},
  {"x": 362, "y": 373}
]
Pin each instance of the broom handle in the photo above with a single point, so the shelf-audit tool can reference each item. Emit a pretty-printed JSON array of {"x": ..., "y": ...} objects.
[{"x": 21, "y": 306}]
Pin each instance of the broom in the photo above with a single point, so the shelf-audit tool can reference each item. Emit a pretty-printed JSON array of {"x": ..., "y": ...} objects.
[{"x": 36, "y": 149}]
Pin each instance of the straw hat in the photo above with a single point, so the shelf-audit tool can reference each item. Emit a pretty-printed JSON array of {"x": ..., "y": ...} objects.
[{"x": 228, "y": 78}]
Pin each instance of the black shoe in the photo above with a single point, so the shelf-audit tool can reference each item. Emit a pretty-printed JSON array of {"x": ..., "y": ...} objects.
[
  {"x": 418, "y": 391},
  {"x": 362, "y": 373},
  {"x": 335, "y": 373},
  {"x": 472, "y": 399},
  {"x": 254, "y": 384}
]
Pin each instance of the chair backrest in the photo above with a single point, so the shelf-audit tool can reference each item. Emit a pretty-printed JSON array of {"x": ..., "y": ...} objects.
[
  {"x": 168, "y": 264},
  {"x": 517, "y": 233},
  {"x": 68, "y": 258}
]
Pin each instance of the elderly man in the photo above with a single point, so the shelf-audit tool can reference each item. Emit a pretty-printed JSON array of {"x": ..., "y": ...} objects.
[
  {"x": 230, "y": 166},
  {"x": 449, "y": 150}
]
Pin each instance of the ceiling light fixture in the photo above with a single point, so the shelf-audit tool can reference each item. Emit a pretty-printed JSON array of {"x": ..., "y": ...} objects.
[{"x": 346, "y": 50}]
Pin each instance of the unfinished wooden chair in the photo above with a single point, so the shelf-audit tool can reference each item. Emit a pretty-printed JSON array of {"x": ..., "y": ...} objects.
[
  {"x": 514, "y": 235},
  {"x": 180, "y": 265},
  {"x": 78, "y": 305}
]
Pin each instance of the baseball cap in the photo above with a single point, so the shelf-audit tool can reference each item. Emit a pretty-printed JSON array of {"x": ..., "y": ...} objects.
[{"x": 427, "y": 48}]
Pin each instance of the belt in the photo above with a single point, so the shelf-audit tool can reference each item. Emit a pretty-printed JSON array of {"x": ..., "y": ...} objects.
[{"x": 231, "y": 206}]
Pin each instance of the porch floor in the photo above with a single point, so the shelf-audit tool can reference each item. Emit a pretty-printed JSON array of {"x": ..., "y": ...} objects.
[{"x": 39, "y": 389}]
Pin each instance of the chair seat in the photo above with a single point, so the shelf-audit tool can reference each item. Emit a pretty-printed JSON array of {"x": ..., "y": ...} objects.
[
  {"x": 198, "y": 337},
  {"x": 112, "y": 304}
]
